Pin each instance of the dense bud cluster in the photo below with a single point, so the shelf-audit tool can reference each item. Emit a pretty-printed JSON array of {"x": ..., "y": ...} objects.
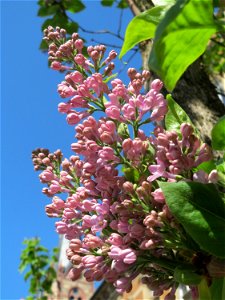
[{"x": 115, "y": 214}]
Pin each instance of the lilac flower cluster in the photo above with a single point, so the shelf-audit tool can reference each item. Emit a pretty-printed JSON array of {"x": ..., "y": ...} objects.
[{"x": 115, "y": 214}]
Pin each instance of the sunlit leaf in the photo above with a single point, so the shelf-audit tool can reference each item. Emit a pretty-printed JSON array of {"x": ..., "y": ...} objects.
[
  {"x": 142, "y": 27},
  {"x": 218, "y": 135},
  {"x": 202, "y": 214},
  {"x": 175, "y": 115},
  {"x": 181, "y": 38}
]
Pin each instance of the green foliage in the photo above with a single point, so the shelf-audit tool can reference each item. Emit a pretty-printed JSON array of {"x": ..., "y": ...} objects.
[
  {"x": 187, "y": 275},
  {"x": 107, "y": 2},
  {"x": 57, "y": 11},
  {"x": 48, "y": 10},
  {"x": 207, "y": 166},
  {"x": 175, "y": 115},
  {"x": 73, "y": 6},
  {"x": 123, "y": 131},
  {"x": 217, "y": 289},
  {"x": 192, "y": 24},
  {"x": 43, "y": 46},
  {"x": 204, "y": 292},
  {"x": 61, "y": 20},
  {"x": 142, "y": 27},
  {"x": 122, "y": 4},
  {"x": 202, "y": 214},
  {"x": 39, "y": 266},
  {"x": 110, "y": 77},
  {"x": 218, "y": 135},
  {"x": 131, "y": 174},
  {"x": 214, "y": 56},
  {"x": 221, "y": 173}
]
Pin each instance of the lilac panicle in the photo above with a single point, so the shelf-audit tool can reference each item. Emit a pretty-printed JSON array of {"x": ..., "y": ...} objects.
[{"x": 106, "y": 195}]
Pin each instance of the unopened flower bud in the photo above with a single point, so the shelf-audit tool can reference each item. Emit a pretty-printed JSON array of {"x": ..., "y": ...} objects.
[
  {"x": 156, "y": 85},
  {"x": 94, "y": 55},
  {"x": 63, "y": 32},
  {"x": 131, "y": 73},
  {"x": 55, "y": 65},
  {"x": 146, "y": 74},
  {"x": 128, "y": 187},
  {"x": 79, "y": 44},
  {"x": 75, "y": 36},
  {"x": 46, "y": 161}
]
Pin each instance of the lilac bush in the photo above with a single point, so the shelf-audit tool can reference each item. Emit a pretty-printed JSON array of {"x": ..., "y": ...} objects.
[{"x": 108, "y": 197}]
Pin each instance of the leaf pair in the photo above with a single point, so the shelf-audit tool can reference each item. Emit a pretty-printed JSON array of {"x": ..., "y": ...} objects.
[{"x": 180, "y": 36}]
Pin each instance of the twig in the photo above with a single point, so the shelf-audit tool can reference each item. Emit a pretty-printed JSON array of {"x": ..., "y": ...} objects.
[
  {"x": 217, "y": 42},
  {"x": 129, "y": 60},
  {"x": 101, "y": 32},
  {"x": 120, "y": 22},
  {"x": 106, "y": 44}
]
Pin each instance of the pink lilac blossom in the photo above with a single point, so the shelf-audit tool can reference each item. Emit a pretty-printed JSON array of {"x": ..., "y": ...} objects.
[{"x": 116, "y": 219}]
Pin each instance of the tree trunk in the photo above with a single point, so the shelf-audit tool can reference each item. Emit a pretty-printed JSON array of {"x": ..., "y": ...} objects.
[
  {"x": 194, "y": 91},
  {"x": 198, "y": 97}
]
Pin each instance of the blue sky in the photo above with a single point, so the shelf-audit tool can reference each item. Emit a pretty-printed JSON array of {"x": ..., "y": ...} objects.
[{"x": 30, "y": 120}]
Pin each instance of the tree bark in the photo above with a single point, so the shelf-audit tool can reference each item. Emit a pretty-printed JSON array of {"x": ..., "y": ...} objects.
[{"x": 194, "y": 92}]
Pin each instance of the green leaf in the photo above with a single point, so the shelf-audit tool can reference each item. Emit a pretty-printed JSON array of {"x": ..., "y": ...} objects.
[
  {"x": 33, "y": 285},
  {"x": 207, "y": 166},
  {"x": 204, "y": 292},
  {"x": 41, "y": 248},
  {"x": 142, "y": 27},
  {"x": 59, "y": 19},
  {"x": 71, "y": 27},
  {"x": 217, "y": 289},
  {"x": 55, "y": 250},
  {"x": 123, "y": 130},
  {"x": 181, "y": 38},
  {"x": 27, "y": 275},
  {"x": 221, "y": 173},
  {"x": 43, "y": 45},
  {"x": 107, "y": 2},
  {"x": 186, "y": 276},
  {"x": 218, "y": 135},
  {"x": 131, "y": 174},
  {"x": 122, "y": 4},
  {"x": 45, "y": 11},
  {"x": 110, "y": 77},
  {"x": 51, "y": 272},
  {"x": 46, "y": 285},
  {"x": 202, "y": 214},
  {"x": 23, "y": 266},
  {"x": 175, "y": 115},
  {"x": 73, "y": 6}
]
